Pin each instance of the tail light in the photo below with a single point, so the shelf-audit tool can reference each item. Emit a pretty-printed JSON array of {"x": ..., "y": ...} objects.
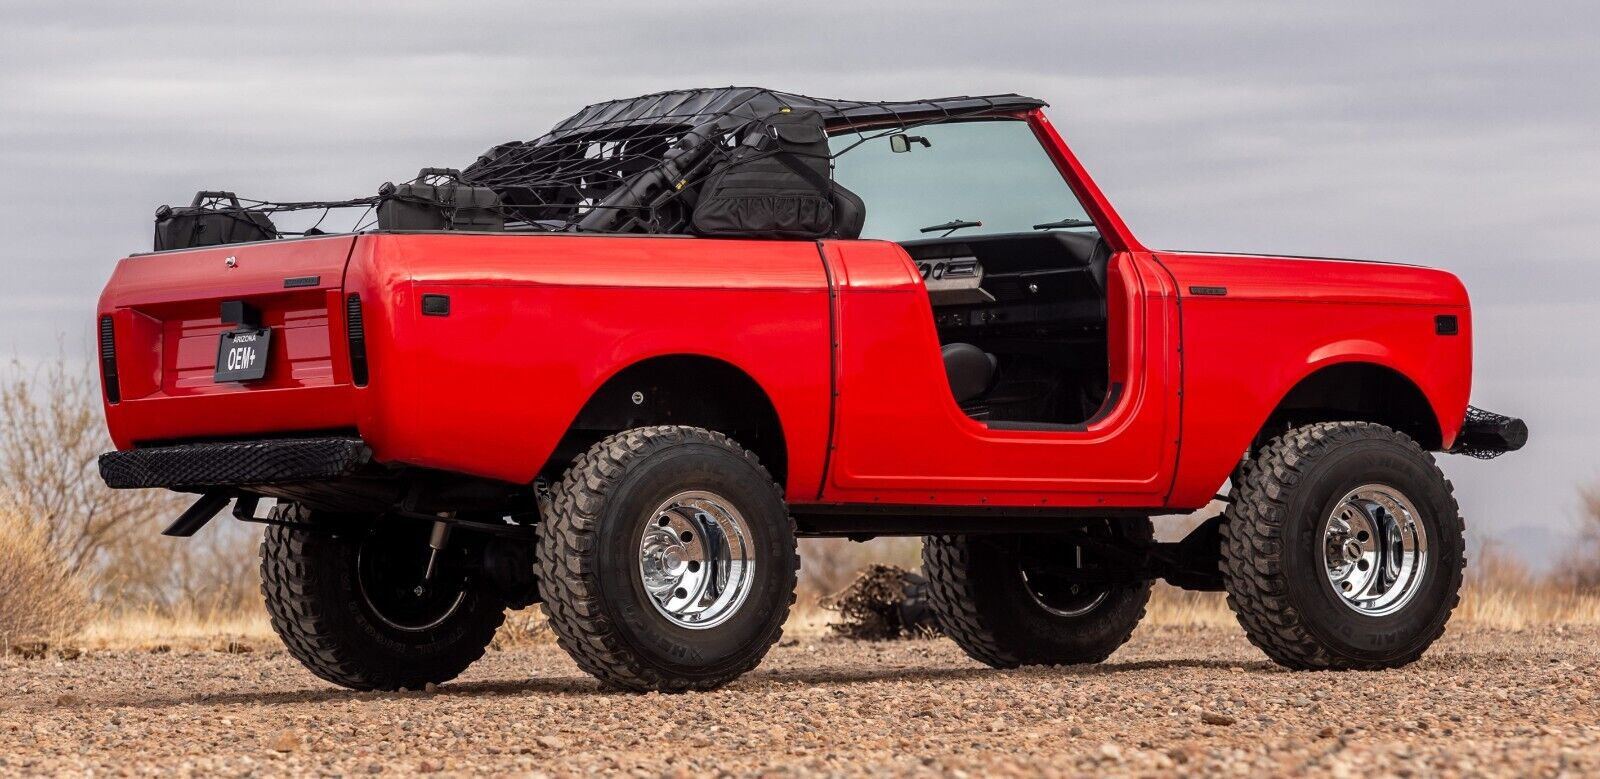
[
  {"x": 108, "y": 360},
  {"x": 356, "y": 334}
]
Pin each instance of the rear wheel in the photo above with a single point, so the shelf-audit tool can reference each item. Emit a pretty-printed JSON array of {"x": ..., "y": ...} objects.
[
  {"x": 667, "y": 560},
  {"x": 1012, "y": 600},
  {"x": 1343, "y": 548},
  {"x": 354, "y": 601}
]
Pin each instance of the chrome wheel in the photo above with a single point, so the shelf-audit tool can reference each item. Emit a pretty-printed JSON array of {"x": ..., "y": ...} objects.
[
  {"x": 696, "y": 560},
  {"x": 1374, "y": 549}
]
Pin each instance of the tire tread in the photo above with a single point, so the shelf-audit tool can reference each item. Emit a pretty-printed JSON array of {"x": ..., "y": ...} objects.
[
  {"x": 297, "y": 568},
  {"x": 954, "y": 592},
  {"x": 1252, "y": 545},
  {"x": 568, "y": 539}
]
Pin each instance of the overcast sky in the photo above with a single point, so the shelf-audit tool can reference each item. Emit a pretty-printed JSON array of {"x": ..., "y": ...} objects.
[{"x": 1462, "y": 135}]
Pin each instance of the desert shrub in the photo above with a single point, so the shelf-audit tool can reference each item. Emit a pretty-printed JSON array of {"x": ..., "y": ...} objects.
[
  {"x": 51, "y": 436},
  {"x": 41, "y": 599},
  {"x": 1580, "y": 567},
  {"x": 213, "y": 573},
  {"x": 828, "y": 565},
  {"x": 52, "y": 432},
  {"x": 885, "y": 602}
]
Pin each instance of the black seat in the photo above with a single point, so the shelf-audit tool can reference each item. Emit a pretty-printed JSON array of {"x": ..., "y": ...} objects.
[
  {"x": 969, "y": 369},
  {"x": 849, "y": 213}
]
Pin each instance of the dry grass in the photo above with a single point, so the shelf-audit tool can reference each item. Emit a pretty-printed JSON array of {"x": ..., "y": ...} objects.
[
  {"x": 40, "y": 597},
  {"x": 1171, "y": 606},
  {"x": 183, "y": 628},
  {"x": 196, "y": 630},
  {"x": 1498, "y": 593},
  {"x": 1483, "y": 605}
]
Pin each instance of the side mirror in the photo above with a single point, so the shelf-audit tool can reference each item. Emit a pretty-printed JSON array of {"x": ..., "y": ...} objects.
[{"x": 900, "y": 143}]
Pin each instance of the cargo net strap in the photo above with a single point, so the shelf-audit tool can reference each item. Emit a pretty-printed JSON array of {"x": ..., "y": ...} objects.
[
  {"x": 259, "y": 213},
  {"x": 1477, "y": 417},
  {"x": 242, "y": 209},
  {"x": 636, "y": 166}
]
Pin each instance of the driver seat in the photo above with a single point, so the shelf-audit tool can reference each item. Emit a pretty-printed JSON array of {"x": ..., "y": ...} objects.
[
  {"x": 970, "y": 371},
  {"x": 849, "y": 213}
]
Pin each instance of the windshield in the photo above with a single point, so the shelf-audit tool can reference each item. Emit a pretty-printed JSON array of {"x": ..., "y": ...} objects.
[{"x": 948, "y": 176}]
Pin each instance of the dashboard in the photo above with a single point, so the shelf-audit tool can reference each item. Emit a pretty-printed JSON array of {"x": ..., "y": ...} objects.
[{"x": 1021, "y": 279}]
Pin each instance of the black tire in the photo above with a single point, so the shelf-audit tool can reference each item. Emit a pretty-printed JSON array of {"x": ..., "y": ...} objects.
[
  {"x": 321, "y": 597},
  {"x": 990, "y": 608},
  {"x": 590, "y": 569},
  {"x": 1274, "y": 551}
]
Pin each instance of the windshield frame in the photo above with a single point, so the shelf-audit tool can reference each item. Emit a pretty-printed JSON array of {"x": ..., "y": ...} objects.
[{"x": 1113, "y": 230}]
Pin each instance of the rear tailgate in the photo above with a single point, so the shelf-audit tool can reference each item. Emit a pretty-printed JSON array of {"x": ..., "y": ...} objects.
[{"x": 164, "y": 312}]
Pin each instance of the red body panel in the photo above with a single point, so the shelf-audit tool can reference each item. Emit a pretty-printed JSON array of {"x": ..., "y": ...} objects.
[
  {"x": 539, "y": 322},
  {"x": 900, "y": 438},
  {"x": 1283, "y": 319}
]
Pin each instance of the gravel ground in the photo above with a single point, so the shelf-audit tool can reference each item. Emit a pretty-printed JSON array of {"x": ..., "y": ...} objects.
[{"x": 1174, "y": 701}]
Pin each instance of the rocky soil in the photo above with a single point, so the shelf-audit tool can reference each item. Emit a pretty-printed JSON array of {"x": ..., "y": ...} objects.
[{"x": 1174, "y": 701}]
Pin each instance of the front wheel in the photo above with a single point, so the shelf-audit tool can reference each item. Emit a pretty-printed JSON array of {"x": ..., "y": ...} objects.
[
  {"x": 1343, "y": 548},
  {"x": 667, "y": 560}
]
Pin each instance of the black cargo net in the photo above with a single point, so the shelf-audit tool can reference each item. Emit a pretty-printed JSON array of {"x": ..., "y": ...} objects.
[
  {"x": 625, "y": 166},
  {"x": 637, "y": 165}
]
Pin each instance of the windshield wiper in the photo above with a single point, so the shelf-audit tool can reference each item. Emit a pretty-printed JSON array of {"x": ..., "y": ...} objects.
[
  {"x": 952, "y": 226},
  {"x": 1064, "y": 223}
]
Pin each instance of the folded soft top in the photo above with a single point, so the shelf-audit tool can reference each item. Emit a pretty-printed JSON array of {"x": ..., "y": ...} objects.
[{"x": 694, "y": 107}]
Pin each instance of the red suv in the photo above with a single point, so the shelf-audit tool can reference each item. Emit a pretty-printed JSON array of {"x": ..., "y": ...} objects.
[{"x": 620, "y": 368}]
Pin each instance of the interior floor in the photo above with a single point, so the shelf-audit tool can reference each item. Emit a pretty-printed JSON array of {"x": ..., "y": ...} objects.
[{"x": 1034, "y": 306}]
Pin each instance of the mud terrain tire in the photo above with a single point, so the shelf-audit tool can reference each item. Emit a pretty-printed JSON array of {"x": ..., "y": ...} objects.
[
  {"x": 977, "y": 587},
  {"x": 1275, "y": 548},
  {"x": 592, "y": 567},
  {"x": 313, "y": 592}
]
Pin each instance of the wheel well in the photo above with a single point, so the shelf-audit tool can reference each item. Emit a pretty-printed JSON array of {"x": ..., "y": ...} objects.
[
  {"x": 1357, "y": 392},
  {"x": 679, "y": 390}
]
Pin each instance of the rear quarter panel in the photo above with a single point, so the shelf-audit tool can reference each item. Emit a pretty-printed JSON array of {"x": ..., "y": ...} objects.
[
  {"x": 539, "y": 322},
  {"x": 1282, "y": 320}
]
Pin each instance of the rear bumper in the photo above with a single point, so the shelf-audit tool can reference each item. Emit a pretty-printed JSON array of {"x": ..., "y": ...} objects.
[
  {"x": 234, "y": 464},
  {"x": 1485, "y": 434}
]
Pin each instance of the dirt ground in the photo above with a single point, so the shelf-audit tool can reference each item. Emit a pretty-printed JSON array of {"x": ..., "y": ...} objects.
[{"x": 1174, "y": 701}]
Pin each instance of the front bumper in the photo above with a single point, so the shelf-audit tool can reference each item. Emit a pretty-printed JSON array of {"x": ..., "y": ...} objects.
[
  {"x": 234, "y": 464},
  {"x": 1485, "y": 434}
]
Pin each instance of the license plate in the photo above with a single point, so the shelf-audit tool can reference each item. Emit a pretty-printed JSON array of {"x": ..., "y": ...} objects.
[{"x": 242, "y": 354}]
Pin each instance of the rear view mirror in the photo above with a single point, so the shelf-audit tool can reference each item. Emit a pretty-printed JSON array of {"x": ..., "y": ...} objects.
[{"x": 900, "y": 142}]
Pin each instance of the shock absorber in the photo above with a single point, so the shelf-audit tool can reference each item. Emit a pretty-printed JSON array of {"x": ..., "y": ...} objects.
[{"x": 436, "y": 543}]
